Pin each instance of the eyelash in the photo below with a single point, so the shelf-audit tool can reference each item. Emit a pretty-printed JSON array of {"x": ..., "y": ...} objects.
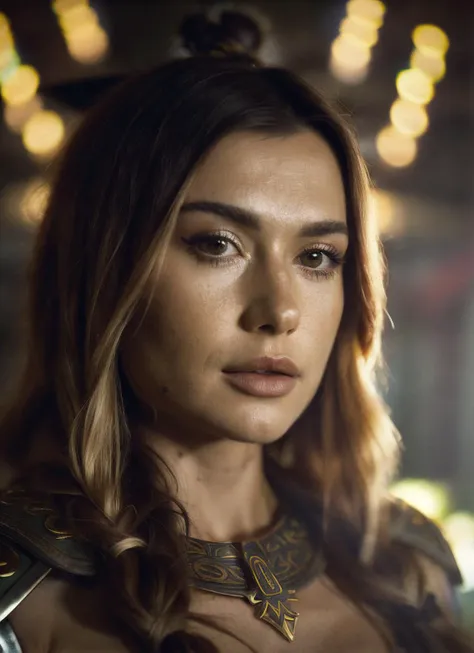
[{"x": 193, "y": 243}]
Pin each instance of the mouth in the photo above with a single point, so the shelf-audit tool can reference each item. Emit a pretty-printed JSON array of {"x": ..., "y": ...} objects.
[
  {"x": 281, "y": 365},
  {"x": 264, "y": 377}
]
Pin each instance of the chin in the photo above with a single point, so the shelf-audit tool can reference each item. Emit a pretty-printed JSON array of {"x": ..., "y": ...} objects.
[{"x": 263, "y": 424}]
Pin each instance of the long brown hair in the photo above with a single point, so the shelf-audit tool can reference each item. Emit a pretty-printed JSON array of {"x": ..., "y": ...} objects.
[{"x": 114, "y": 202}]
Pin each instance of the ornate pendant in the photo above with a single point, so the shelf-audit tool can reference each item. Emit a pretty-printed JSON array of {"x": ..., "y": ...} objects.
[{"x": 260, "y": 571}]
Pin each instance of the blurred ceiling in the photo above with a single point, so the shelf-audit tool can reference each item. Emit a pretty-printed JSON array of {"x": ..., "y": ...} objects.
[
  {"x": 437, "y": 187},
  {"x": 142, "y": 31}
]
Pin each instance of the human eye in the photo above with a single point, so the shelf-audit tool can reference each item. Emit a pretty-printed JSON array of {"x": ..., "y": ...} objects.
[
  {"x": 321, "y": 261},
  {"x": 216, "y": 248}
]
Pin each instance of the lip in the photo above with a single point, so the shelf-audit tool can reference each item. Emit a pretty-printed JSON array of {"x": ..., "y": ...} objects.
[
  {"x": 277, "y": 365},
  {"x": 261, "y": 385},
  {"x": 264, "y": 377}
]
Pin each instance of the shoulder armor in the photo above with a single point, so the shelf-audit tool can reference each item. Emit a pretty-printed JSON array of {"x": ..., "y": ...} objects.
[
  {"x": 33, "y": 541},
  {"x": 410, "y": 527}
]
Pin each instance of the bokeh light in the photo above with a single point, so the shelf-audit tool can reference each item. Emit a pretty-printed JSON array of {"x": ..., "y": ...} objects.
[
  {"x": 33, "y": 201},
  {"x": 433, "y": 67},
  {"x": 351, "y": 51},
  {"x": 370, "y": 11},
  {"x": 430, "y": 498},
  {"x": 15, "y": 116},
  {"x": 415, "y": 86},
  {"x": 431, "y": 40},
  {"x": 86, "y": 41},
  {"x": 43, "y": 132},
  {"x": 362, "y": 33},
  {"x": 20, "y": 86},
  {"x": 88, "y": 44},
  {"x": 385, "y": 209},
  {"x": 396, "y": 149},
  {"x": 409, "y": 118}
]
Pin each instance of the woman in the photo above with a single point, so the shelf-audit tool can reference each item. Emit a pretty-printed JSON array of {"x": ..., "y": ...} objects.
[{"x": 198, "y": 455}]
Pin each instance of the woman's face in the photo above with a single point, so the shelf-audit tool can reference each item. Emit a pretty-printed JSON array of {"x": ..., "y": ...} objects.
[{"x": 252, "y": 277}]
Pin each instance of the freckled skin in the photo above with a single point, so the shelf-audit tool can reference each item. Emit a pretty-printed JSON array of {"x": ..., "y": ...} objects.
[{"x": 260, "y": 301}]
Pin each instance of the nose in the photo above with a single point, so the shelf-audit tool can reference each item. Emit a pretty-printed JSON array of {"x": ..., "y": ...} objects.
[{"x": 272, "y": 307}]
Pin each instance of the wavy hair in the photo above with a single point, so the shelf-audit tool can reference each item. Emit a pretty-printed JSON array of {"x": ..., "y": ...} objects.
[{"x": 114, "y": 202}]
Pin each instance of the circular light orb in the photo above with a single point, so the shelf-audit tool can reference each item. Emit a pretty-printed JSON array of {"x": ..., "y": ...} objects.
[
  {"x": 430, "y": 39},
  {"x": 21, "y": 86},
  {"x": 43, "y": 132},
  {"x": 346, "y": 74},
  {"x": 433, "y": 67},
  {"x": 459, "y": 528},
  {"x": 350, "y": 54},
  {"x": 34, "y": 200},
  {"x": 76, "y": 17},
  {"x": 88, "y": 44},
  {"x": 396, "y": 149},
  {"x": 15, "y": 116},
  {"x": 430, "y": 498},
  {"x": 414, "y": 85},
  {"x": 366, "y": 11},
  {"x": 365, "y": 34},
  {"x": 409, "y": 118}
]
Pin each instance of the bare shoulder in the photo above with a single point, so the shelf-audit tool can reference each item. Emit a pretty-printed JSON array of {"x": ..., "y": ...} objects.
[{"x": 62, "y": 615}]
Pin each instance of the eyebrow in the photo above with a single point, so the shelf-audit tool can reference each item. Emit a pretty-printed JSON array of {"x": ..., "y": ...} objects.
[{"x": 251, "y": 220}]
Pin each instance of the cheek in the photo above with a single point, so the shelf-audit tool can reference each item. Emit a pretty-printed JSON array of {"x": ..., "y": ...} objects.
[{"x": 186, "y": 318}]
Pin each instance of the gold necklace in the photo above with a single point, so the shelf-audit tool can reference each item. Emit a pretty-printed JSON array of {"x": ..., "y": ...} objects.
[{"x": 266, "y": 572}]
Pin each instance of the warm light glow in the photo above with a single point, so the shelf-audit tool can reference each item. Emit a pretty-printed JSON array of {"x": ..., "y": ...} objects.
[
  {"x": 16, "y": 116},
  {"x": 384, "y": 209},
  {"x": 396, "y": 149},
  {"x": 430, "y": 40},
  {"x": 21, "y": 86},
  {"x": 6, "y": 40},
  {"x": 368, "y": 10},
  {"x": 76, "y": 17},
  {"x": 34, "y": 200},
  {"x": 459, "y": 528},
  {"x": 4, "y": 24},
  {"x": 415, "y": 86},
  {"x": 430, "y": 498},
  {"x": 362, "y": 33},
  {"x": 43, "y": 132},
  {"x": 88, "y": 45},
  {"x": 60, "y": 6},
  {"x": 349, "y": 53},
  {"x": 345, "y": 74},
  {"x": 433, "y": 67},
  {"x": 409, "y": 118}
]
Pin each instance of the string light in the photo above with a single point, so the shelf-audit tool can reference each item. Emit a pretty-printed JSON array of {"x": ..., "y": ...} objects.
[
  {"x": 351, "y": 51},
  {"x": 21, "y": 86},
  {"x": 431, "y": 40},
  {"x": 409, "y": 118},
  {"x": 396, "y": 149},
  {"x": 43, "y": 133},
  {"x": 432, "y": 67},
  {"x": 86, "y": 40},
  {"x": 416, "y": 88}
]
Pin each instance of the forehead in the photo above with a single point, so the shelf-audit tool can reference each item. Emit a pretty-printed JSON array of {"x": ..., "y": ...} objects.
[{"x": 278, "y": 175}]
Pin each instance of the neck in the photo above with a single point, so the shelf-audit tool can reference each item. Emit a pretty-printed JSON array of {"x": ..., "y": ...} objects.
[{"x": 222, "y": 486}]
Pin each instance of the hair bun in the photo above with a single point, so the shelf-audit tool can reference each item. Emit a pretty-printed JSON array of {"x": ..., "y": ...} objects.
[{"x": 225, "y": 31}]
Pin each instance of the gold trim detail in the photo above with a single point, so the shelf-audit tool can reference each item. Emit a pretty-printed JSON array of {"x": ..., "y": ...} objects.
[
  {"x": 261, "y": 571},
  {"x": 9, "y": 561}
]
